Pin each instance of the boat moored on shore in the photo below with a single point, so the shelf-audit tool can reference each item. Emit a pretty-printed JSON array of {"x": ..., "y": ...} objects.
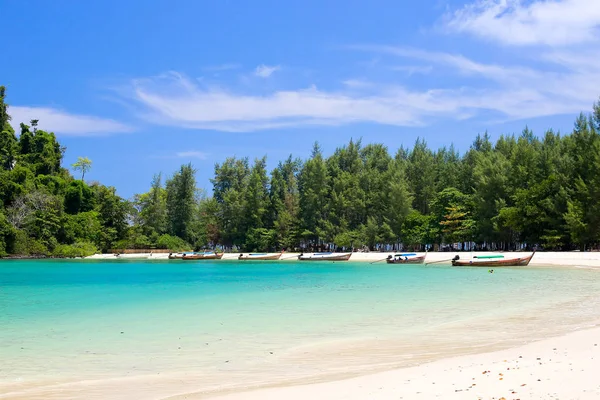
[
  {"x": 207, "y": 255},
  {"x": 179, "y": 256},
  {"x": 324, "y": 257},
  {"x": 492, "y": 261},
  {"x": 406, "y": 258},
  {"x": 260, "y": 256}
]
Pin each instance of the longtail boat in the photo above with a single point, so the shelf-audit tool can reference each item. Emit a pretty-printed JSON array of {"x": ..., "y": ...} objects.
[
  {"x": 493, "y": 261},
  {"x": 406, "y": 258},
  {"x": 259, "y": 256},
  {"x": 325, "y": 257},
  {"x": 208, "y": 255},
  {"x": 178, "y": 256}
]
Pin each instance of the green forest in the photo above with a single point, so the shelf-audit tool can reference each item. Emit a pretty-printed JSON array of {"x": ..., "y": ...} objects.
[{"x": 522, "y": 191}]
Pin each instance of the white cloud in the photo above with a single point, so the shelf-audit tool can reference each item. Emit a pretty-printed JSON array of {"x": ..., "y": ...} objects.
[
  {"x": 457, "y": 61},
  {"x": 61, "y": 122},
  {"x": 192, "y": 154},
  {"x": 538, "y": 22},
  {"x": 172, "y": 99},
  {"x": 543, "y": 81},
  {"x": 558, "y": 84},
  {"x": 265, "y": 71}
]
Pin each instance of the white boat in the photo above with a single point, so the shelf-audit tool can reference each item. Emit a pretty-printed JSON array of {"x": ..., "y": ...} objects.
[
  {"x": 406, "y": 258},
  {"x": 179, "y": 256},
  {"x": 325, "y": 257},
  {"x": 492, "y": 261},
  {"x": 206, "y": 255},
  {"x": 260, "y": 256}
]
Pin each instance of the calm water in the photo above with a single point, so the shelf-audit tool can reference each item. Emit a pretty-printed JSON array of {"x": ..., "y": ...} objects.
[{"x": 229, "y": 323}]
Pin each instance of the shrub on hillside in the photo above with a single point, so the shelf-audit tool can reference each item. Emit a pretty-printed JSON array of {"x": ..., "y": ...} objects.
[
  {"x": 172, "y": 243},
  {"x": 79, "y": 249},
  {"x": 28, "y": 246}
]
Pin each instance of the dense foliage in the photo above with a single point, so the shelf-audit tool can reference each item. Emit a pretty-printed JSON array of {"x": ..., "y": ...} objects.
[
  {"x": 43, "y": 209},
  {"x": 521, "y": 191}
]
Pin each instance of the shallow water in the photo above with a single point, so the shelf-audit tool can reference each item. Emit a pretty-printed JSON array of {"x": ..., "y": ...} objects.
[{"x": 198, "y": 326}]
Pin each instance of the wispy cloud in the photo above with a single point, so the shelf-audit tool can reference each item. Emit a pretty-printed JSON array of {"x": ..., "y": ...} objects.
[
  {"x": 172, "y": 99},
  {"x": 64, "y": 123},
  {"x": 457, "y": 61},
  {"x": 265, "y": 71},
  {"x": 539, "y": 22},
  {"x": 192, "y": 154},
  {"x": 559, "y": 83},
  {"x": 549, "y": 79},
  {"x": 177, "y": 101}
]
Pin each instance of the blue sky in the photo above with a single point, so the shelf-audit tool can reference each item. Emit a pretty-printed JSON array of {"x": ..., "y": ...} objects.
[{"x": 141, "y": 87}]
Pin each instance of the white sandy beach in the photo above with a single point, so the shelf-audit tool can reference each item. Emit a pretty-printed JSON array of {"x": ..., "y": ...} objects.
[
  {"x": 567, "y": 259},
  {"x": 566, "y": 367}
]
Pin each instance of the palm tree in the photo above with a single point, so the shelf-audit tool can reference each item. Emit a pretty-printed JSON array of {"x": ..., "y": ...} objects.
[{"x": 83, "y": 164}]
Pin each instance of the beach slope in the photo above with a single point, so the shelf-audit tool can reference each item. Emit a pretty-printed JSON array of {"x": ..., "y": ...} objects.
[{"x": 559, "y": 368}]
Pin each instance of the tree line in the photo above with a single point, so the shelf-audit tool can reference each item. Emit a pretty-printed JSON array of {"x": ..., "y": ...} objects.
[{"x": 522, "y": 191}]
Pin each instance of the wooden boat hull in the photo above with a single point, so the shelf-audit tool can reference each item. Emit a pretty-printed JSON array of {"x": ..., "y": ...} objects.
[
  {"x": 263, "y": 257},
  {"x": 213, "y": 256},
  {"x": 511, "y": 262},
  {"x": 409, "y": 260},
  {"x": 325, "y": 257}
]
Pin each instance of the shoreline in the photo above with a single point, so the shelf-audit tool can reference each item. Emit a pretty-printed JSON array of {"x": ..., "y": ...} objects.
[
  {"x": 569, "y": 259},
  {"x": 559, "y": 367},
  {"x": 541, "y": 258}
]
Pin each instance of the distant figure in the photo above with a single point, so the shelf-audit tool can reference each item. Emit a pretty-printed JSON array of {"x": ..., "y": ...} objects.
[{"x": 491, "y": 271}]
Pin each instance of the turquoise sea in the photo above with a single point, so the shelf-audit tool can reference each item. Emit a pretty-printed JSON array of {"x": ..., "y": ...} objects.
[{"x": 102, "y": 329}]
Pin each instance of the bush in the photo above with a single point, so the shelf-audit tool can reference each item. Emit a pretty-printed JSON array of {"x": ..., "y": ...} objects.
[
  {"x": 79, "y": 249},
  {"x": 28, "y": 246},
  {"x": 139, "y": 242},
  {"x": 172, "y": 243},
  {"x": 82, "y": 227}
]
